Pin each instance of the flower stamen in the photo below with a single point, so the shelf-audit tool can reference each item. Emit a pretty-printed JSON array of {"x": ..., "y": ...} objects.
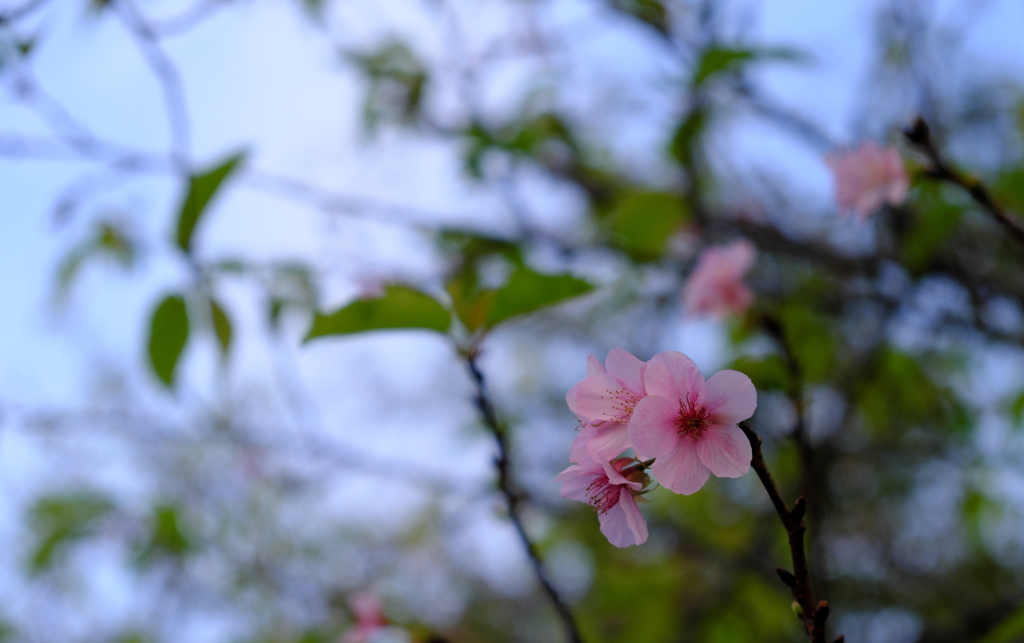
[{"x": 691, "y": 420}]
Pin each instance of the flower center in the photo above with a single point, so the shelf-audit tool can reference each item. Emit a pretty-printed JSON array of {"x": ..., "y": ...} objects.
[
  {"x": 624, "y": 401},
  {"x": 602, "y": 494},
  {"x": 691, "y": 420}
]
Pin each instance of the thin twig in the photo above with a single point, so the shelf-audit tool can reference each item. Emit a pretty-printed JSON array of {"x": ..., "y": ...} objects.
[
  {"x": 919, "y": 135},
  {"x": 813, "y": 615},
  {"x": 168, "y": 76},
  {"x": 187, "y": 19},
  {"x": 513, "y": 498},
  {"x": 19, "y": 12}
]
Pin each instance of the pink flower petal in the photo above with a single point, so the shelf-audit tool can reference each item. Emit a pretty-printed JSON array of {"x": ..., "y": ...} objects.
[
  {"x": 611, "y": 469},
  {"x": 627, "y": 368},
  {"x": 867, "y": 177},
  {"x": 729, "y": 397},
  {"x": 672, "y": 375},
  {"x": 715, "y": 285},
  {"x": 634, "y": 518},
  {"x": 652, "y": 427},
  {"x": 725, "y": 450},
  {"x": 594, "y": 367},
  {"x": 623, "y": 525},
  {"x": 681, "y": 470},
  {"x": 600, "y": 443},
  {"x": 576, "y": 479},
  {"x": 596, "y": 398}
]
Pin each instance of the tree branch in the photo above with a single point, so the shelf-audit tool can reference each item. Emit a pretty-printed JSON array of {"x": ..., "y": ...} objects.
[
  {"x": 813, "y": 615},
  {"x": 21, "y": 11},
  {"x": 919, "y": 135},
  {"x": 512, "y": 496},
  {"x": 168, "y": 76}
]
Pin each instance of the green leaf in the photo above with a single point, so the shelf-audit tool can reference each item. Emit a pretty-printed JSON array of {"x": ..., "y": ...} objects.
[
  {"x": 811, "y": 340},
  {"x": 397, "y": 83},
  {"x": 1010, "y": 630},
  {"x": 688, "y": 134},
  {"x": 107, "y": 240},
  {"x": 61, "y": 520},
  {"x": 221, "y": 326},
  {"x": 1016, "y": 409},
  {"x": 398, "y": 307},
  {"x": 767, "y": 372},
  {"x": 651, "y": 12},
  {"x": 717, "y": 60},
  {"x": 167, "y": 337},
  {"x": 527, "y": 291},
  {"x": 166, "y": 536},
  {"x": 201, "y": 190},
  {"x": 900, "y": 394},
  {"x": 642, "y": 222},
  {"x": 315, "y": 8}
]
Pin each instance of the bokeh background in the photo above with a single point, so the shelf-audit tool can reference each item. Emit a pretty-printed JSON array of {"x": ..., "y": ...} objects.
[{"x": 187, "y": 185}]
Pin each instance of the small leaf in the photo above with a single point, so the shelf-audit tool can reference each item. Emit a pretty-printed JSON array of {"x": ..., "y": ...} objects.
[
  {"x": 716, "y": 60},
  {"x": 167, "y": 337},
  {"x": 651, "y": 12},
  {"x": 201, "y": 190},
  {"x": 767, "y": 372},
  {"x": 642, "y": 223},
  {"x": 1016, "y": 409},
  {"x": 398, "y": 307},
  {"x": 221, "y": 326},
  {"x": 1010, "y": 630},
  {"x": 61, "y": 520},
  {"x": 315, "y": 8},
  {"x": 527, "y": 291},
  {"x": 166, "y": 536}
]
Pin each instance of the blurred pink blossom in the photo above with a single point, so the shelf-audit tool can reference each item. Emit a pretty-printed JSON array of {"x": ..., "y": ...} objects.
[
  {"x": 867, "y": 177},
  {"x": 611, "y": 488},
  {"x": 689, "y": 425},
  {"x": 604, "y": 402},
  {"x": 716, "y": 285},
  {"x": 369, "y": 616}
]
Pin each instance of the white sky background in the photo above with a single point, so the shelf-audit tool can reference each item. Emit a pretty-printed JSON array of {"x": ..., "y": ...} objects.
[{"x": 259, "y": 76}]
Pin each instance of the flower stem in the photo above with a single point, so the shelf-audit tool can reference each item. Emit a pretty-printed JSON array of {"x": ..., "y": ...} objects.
[{"x": 813, "y": 615}]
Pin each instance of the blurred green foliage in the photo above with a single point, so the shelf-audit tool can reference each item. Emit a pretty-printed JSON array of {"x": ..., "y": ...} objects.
[{"x": 867, "y": 346}]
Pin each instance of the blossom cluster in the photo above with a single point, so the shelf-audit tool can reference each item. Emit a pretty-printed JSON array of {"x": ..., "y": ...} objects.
[{"x": 679, "y": 427}]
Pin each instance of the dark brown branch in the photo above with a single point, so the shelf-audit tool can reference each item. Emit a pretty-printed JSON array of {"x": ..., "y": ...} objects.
[
  {"x": 919, "y": 135},
  {"x": 513, "y": 498},
  {"x": 813, "y": 615}
]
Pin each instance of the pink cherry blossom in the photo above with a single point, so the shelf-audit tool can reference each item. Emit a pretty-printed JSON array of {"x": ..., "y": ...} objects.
[
  {"x": 611, "y": 488},
  {"x": 689, "y": 425},
  {"x": 604, "y": 402},
  {"x": 369, "y": 618},
  {"x": 867, "y": 177},
  {"x": 716, "y": 285}
]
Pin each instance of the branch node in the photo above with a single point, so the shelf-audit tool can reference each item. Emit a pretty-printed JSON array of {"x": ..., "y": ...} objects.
[
  {"x": 788, "y": 578},
  {"x": 821, "y": 614},
  {"x": 918, "y": 133},
  {"x": 799, "y": 509},
  {"x": 840, "y": 639}
]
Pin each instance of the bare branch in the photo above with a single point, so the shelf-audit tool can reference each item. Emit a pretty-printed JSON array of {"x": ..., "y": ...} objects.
[
  {"x": 513, "y": 497},
  {"x": 168, "y": 76},
  {"x": 21, "y": 11},
  {"x": 187, "y": 19},
  {"x": 919, "y": 134},
  {"x": 813, "y": 615}
]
